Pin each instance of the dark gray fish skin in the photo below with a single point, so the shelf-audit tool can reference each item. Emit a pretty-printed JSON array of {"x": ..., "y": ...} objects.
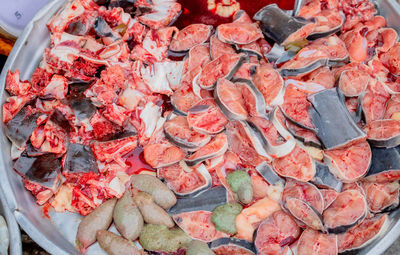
[
  {"x": 334, "y": 125},
  {"x": 325, "y": 179},
  {"x": 20, "y": 128},
  {"x": 344, "y": 228},
  {"x": 303, "y": 139},
  {"x": 230, "y": 241},
  {"x": 198, "y": 109},
  {"x": 79, "y": 158},
  {"x": 303, "y": 70},
  {"x": 44, "y": 170},
  {"x": 205, "y": 201},
  {"x": 269, "y": 174},
  {"x": 358, "y": 115},
  {"x": 278, "y": 25},
  {"x": 102, "y": 28},
  {"x": 317, "y": 35},
  {"x": 384, "y": 160},
  {"x": 391, "y": 142}
]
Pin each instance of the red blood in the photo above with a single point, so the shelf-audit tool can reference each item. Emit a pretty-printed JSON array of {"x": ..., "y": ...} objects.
[
  {"x": 135, "y": 161},
  {"x": 196, "y": 11}
]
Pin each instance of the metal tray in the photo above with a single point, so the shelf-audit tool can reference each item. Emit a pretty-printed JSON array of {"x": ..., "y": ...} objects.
[
  {"x": 13, "y": 230},
  {"x": 57, "y": 234}
]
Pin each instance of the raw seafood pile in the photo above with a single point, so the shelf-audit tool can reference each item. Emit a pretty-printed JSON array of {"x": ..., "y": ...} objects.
[{"x": 272, "y": 135}]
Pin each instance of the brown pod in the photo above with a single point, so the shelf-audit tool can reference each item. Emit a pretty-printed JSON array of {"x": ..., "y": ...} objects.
[
  {"x": 152, "y": 213},
  {"x": 99, "y": 219},
  {"x": 115, "y": 245},
  {"x": 127, "y": 218},
  {"x": 161, "y": 194}
]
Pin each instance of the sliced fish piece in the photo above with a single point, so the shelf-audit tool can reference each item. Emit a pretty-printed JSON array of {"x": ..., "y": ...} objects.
[
  {"x": 305, "y": 136},
  {"x": 295, "y": 106},
  {"x": 255, "y": 139},
  {"x": 327, "y": 51},
  {"x": 232, "y": 246},
  {"x": 281, "y": 27},
  {"x": 325, "y": 179},
  {"x": 329, "y": 196},
  {"x": 322, "y": 76},
  {"x": 205, "y": 201},
  {"x": 276, "y": 231},
  {"x": 199, "y": 55},
  {"x": 353, "y": 83},
  {"x": 224, "y": 66},
  {"x": 253, "y": 48},
  {"x": 205, "y": 117},
  {"x": 239, "y": 32},
  {"x": 219, "y": 48},
  {"x": 385, "y": 165},
  {"x": 351, "y": 163},
  {"x": 334, "y": 128},
  {"x": 349, "y": 209},
  {"x": 184, "y": 180},
  {"x": 183, "y": 99},
  {"x": 315, "y": 242},
  {"x": 198, "y": 225},
  {"x": 215, "y": 148},
  {"x": 253, "y": 99},
  {"x": 384, "y": 133},
  {"x": 162, "y": 155},
  {"x": 178, "y": 132},
  {"x": 241, "y": 144},
  {"x": 393, "y": 108},
  {"x": 275, "y": 145},
  {"x": 246, "y": 71},
  {"x": 189, "y": 37},
  {"x": 305, "y": 213},
  {"x": 304, "y": 191},
  {"x": 363, "y": 234},
  {"x": 334, "y": 47},
  {"x": 297, "y": 165},
  {"x": 270, "y": 83},
  {"x": 374, "y": 101},
  {"x": 229, "y": 98},
  {"x": 381, "y": 197},
  {"x": 327, "y": 22},
  {"x": 306, "y": 61},
  {"x": 278, "y": 119}
]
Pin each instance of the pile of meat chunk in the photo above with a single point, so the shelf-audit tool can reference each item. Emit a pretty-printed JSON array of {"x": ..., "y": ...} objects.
[{"x": 275, "y": 133}]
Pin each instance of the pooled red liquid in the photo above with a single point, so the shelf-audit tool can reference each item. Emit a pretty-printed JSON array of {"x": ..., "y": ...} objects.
[
  {"x": 135, "y": 161},
  {"x": 196, "y": 11}
]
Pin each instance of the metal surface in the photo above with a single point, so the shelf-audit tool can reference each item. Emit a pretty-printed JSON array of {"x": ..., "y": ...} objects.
[
  {"x": 57, "y": 234},
  {"x": 13, "y": 229}
]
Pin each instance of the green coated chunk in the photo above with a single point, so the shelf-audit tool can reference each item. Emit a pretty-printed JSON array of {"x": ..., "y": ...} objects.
[
  {"x": 237, "y": 178},
  {"x": 240, "y": 183},
  {"x": 196, "y": 247},
  {"x": 224, "y": 217},
  {"x": 160, "y": 238}
]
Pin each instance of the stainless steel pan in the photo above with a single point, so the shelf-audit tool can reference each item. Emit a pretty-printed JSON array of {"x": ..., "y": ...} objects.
[{"x": 57, "y": 234}]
